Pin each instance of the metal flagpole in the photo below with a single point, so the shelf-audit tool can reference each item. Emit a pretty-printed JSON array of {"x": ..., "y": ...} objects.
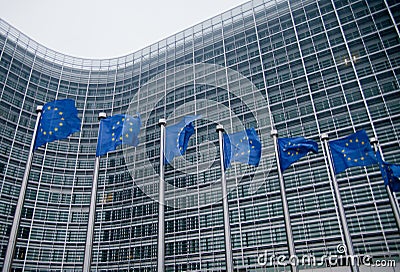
[
  {"x": 342, "y": 215},
  {"x": 392, "y": 201},
  {"x": 18, "y": 210},
  {"x": 161, "y": 199},
  {"x": 87, "y": 261},
  {"x": 227, "y": 227},
  {"x": 288, "y": 226}
]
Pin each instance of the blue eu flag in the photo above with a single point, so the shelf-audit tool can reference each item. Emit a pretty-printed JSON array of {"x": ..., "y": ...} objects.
[
  {"x": 293, "y": 149},
  {"x": 390, "y": 173},
  {"x": 116, "y": 130},
  {"x": 59, "y": 120},
  {"x": 177, "y": 137},
  {"x": 353, "y": 150},
  {"x": 243, "y": 146}
]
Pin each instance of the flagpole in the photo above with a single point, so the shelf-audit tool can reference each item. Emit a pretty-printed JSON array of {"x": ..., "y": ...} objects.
[
  {"x": 87, "y": 262},
  {"x": 288, "y": 226},
  {"x": 227, "y": 226},
  {"x": 161, "y": 199},
  {"x": 342, "y": 215},
  {"x": 392, "y": 200},
  {"x": 8, "y": 259}
]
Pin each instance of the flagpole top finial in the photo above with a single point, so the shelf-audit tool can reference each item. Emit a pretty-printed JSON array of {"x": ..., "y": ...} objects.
[
  {"x": 220, "y": 128},
  {"x": 274, "y": 132},
  {"x": 39, "y": 108},
  {"x": 374, "y": 140},
  {"x": 162, "y": 122},
  {"x": 324, "y": 136},
  {"x": 102, "y": 115}
]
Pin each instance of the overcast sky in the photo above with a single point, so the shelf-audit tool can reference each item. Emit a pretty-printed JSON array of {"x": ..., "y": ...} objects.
[{"x": 106, "y": 29}]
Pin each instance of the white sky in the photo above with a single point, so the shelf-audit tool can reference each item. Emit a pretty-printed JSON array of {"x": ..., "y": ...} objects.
[{"x": 106, "y": 29}]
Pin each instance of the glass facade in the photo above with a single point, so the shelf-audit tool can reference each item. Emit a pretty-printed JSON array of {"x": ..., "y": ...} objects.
[{"x": 305, "y": 67}]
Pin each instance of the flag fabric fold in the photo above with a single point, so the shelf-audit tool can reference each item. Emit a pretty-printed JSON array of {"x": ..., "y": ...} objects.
[
  {"x": 58, "y": 121},
  {"x": 293, "y": 149},
  {"x": 177, "y": 137},
  {"x": 243, "y": 146},
  {"x": 117, "y": 130},
  {"x": 390, "y": 173},
  {"x": 353, "y": 150}
]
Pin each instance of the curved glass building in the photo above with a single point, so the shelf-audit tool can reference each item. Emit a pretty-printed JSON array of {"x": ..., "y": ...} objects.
[{"x": 303, "y": 67}]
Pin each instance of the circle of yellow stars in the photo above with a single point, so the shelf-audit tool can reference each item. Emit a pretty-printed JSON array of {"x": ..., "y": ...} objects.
[
  {"x": 53, "y": 129},
  {"x": 245, "y": 138},
  {"x": 177, "y": 139},
  {"x": 292, "y": 153},
  {"x": 117, "y": 124},
  {"x": 351, "y": 141}
]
